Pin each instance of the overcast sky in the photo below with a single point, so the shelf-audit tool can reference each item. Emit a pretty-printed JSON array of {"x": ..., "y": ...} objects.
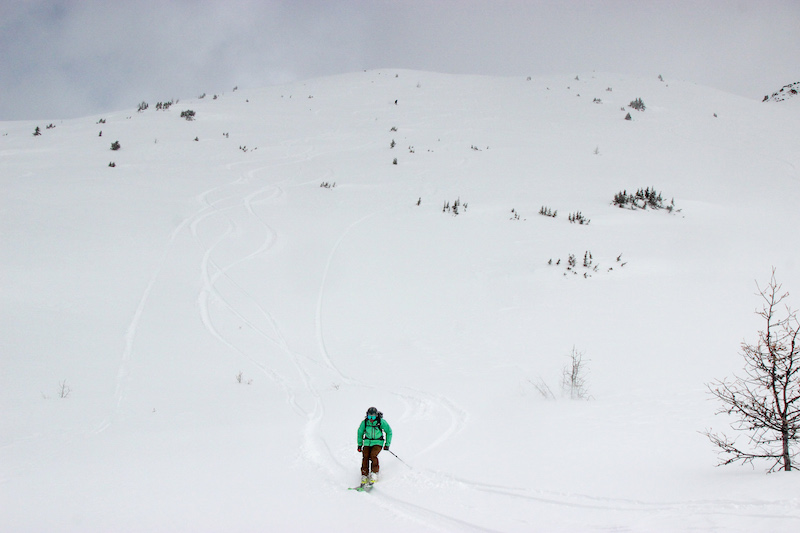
[{"x": 70, "y": 58}]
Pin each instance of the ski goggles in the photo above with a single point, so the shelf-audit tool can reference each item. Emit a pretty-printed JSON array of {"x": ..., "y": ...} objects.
[{"x": 372, "y": 417}]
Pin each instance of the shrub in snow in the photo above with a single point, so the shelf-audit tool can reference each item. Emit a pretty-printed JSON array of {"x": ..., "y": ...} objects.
[
  {"x": 578, "y": 217},
  {"x": 454, "y": 208},
  {"x": 394, "y": 161},
  {"x": 589, "y": 265},
  {"x": 241, "y": 380},
  {"x": 144, "y": 105},
  {"x": 188, "y": 114},
  {"x": 628, "y": 117},
  {"x": 637, "y": 104},
  {"x": 37, "y": 131},
  {"x": 112, "y": 164},
  {"x": 765, "y": 403},
  {"x": 546, "y": 211},
  {"x": 643, "y": 199},
  {"x": 115, "y": 145},
  {"x": 543, "y": 388},
  {"x": 574, "y": 377},
  {"x": 63, "y": 389}
]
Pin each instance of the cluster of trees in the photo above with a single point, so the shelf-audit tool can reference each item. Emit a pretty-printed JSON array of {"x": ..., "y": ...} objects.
[
  {"x": 546, "y": 211},
  {"x": 578, "y": 218},
  {"x": 642, "y": 199},
  {"x": 38, "y": 130},
  {"x": 454, "y": 207},
  {"x": 637, "y": 104}
]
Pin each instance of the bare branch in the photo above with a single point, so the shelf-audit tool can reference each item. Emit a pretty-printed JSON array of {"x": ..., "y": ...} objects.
[{"x": 765, "y": 403}]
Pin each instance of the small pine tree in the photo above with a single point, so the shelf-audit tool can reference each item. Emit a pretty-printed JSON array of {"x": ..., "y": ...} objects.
[{"x": 637, "y": 104}]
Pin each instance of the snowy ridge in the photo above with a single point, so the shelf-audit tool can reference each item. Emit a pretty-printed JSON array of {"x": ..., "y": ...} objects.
[
  {"x": 227, "y": 300},
  {"x": 785, "y": 93}
]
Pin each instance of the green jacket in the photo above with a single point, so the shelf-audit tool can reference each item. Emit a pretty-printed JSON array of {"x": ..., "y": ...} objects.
[{"x": 371, "y": 434}]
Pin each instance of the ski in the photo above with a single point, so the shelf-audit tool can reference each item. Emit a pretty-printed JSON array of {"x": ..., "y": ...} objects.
[{"x": 362, "y": 488}]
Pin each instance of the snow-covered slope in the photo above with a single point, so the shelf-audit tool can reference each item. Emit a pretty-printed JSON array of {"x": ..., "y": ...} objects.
[{"x": 224, "y": 303}]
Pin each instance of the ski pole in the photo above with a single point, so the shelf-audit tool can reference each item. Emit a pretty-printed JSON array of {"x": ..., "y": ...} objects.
[{"x": 405, "y": 463}]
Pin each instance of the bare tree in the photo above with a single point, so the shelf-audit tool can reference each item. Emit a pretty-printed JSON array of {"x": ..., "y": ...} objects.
[
  {"x": 765, "y": 402},
  {"x": 573, "y": 376}
]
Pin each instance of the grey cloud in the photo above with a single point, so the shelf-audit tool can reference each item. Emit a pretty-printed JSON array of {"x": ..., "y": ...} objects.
[{"x": 70, "y": 58}]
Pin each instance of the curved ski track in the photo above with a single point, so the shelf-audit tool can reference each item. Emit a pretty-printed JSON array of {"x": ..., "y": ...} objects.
[{"x": 228, "y": 205}]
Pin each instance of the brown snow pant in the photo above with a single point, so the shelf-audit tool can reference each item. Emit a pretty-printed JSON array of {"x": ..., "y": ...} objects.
[{"x": 370, "y": 453}]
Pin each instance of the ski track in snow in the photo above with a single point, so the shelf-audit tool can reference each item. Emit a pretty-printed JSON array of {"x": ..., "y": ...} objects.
[
  {"x": 320, "y": 335},
  {"x": 457, "y": 416},
  {"x": 231, "y": 206},
  {"x": 130, "y": 336},
  {"x": 209, "y": 208},
  {"x": 458, "y": 420},
  {"x": 315, "y": 447},
  {"x": 210, "y": 292},
  {"x": 757, "y": 509}
]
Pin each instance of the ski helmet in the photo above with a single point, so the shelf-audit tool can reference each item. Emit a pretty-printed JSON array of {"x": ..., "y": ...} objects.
[{"x": 372, "y": 411}]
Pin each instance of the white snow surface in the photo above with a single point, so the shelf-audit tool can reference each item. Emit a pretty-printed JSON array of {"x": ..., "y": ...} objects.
[{"x": 147, "y": 288}]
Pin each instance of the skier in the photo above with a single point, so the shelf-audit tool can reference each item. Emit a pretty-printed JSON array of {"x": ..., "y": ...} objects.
[{"x": 370, "y": 441}]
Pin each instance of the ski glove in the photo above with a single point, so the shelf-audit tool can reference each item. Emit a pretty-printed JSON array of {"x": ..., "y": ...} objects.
[
  {"x": 359, "y": 448},
  {"x": 386, "y": 448}
]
